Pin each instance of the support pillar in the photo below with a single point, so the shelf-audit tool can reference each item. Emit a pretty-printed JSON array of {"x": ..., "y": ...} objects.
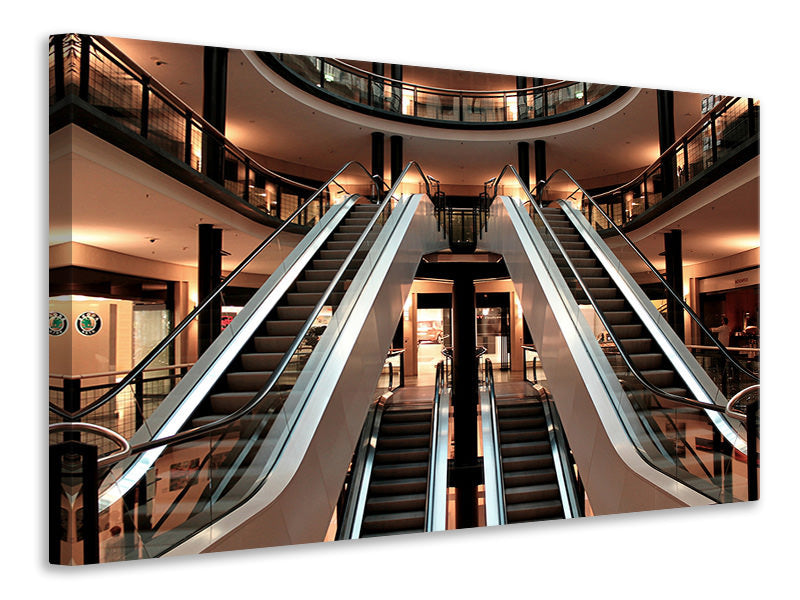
[
  {"x": 209, "y": 274},
  {"x": 396, "y": 156},
  {"x": 539, "y": 162},
  {"x": 466, "y": 471},
  {"x": 378, "y": 139},
  {"x": 673, "y": 256},
  {"x": 524, "y": 163},
  {"x": 666, "y": 137},
  {"x": 215, "y": 92}
]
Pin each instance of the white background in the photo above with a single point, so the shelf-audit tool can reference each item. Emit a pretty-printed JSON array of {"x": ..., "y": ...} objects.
[{"x": 737, "y": 48}]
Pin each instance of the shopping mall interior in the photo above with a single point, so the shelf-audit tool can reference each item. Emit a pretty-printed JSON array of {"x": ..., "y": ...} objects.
[{"x": 298, "y": 299}]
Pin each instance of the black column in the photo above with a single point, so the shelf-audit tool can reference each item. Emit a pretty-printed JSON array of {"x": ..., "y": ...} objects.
[
  {"x": 539, "y": 161},
  {"x": 524, "y": 163},
  {"x": 396, "y": 156},
  {"x": 215, "y": 92},
  {"x": 465, "y": 474},
  {"x": 666, "y": 136},
  {"x": 209, "y": 274},
  {"x": 674, "y": 275},
  {"x": 377, "y": 154}
]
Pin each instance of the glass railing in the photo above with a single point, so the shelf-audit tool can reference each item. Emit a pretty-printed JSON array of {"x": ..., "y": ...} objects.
[
  {"x": 720, "y": 134},
  {"x": 90, "y": 69},
  {"x": 692, "y": 439},
  {"x": 473, "y": 107}
]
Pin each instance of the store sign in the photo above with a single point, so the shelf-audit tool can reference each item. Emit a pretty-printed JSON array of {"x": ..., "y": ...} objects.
[
  {"x": 88, "y": 323},
  {"x": 58, "y": 323}
]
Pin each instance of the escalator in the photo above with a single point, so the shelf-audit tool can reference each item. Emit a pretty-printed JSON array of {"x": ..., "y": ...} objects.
[
  {"x": 400, "y": 467},
  {"x": 528, "y": 474},
  {"x": 259, "y": 429},
  {"x": 643, "y": 410}
]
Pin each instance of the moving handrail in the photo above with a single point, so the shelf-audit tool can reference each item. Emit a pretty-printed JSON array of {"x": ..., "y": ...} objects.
[
  {"x": 159, "y": 348},
  {"x": 655, "y": 271},
  {"x": 436, "y": 487},
  {"x": 623, "y": 353},
  {"x": 197, "y": 432},
  {"x": 124, "y": 446},
  {"x": 499, "y": 496}
]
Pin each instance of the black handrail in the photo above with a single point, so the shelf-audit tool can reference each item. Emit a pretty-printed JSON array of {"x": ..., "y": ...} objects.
[
  {"x": 202, "y": 305},
  {"x": 201, "y": 430},
  {"x": 719, "y": 108},
  {"x": 113, "y": 53},
  {"x": 658, "y": 275},
  {"x": 623, "y": 353}
]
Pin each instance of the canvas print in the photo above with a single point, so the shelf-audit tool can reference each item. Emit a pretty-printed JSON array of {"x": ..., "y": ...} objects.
[{"x": 299, "y": 299}]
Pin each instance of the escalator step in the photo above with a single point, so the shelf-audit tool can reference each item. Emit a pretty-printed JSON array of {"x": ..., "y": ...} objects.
[
  {"x": 533, "y": 493},
  {"x": 403, "y": 441},
  {"x": 261, "y": 361},
  {"x": 528, "y": 477},
  {"x": 395, "y": 504},
  {"x": 527, "y": 448},
  {"x": 611, "y": 304},
  {"x": 636, "y": 345},
  {"x": 400, "y": 471},
  {"x": 649, "y": 360},
  {"x": 619, "y": 317},
  {"x": 407, "y": 485},
  {"x": 513, "y": 410},
  {"x": 369, "y": 534},
  {"x": 394, "y": 416},
  {"x": 535, "y": 511},
  {"x": 273, "y": 343},
  {"x": 628, "y": 331},
  {"x": 295, "y": 312},
  {"x": 659, "y": 377},
  {"x": 517, "y": 423},
  {"x": 227, "y": 402},
  {"x": 405, "y": 428},
  {"x": 522, "y": 435},
  {"x": 527, "y": 463},
  {"x": 285, "y": 328},
  {"x": 394, "y": 521},
  {"x": 402, "y": 456}
]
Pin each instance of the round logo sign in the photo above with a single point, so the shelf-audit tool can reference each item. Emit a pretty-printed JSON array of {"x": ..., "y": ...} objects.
[
  {"x": 58, "y": 323},
  {"x": 88, "y": 323}
]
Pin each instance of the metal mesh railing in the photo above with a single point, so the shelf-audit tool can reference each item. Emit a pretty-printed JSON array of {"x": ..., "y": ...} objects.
[{"x": 92, "y": 70}]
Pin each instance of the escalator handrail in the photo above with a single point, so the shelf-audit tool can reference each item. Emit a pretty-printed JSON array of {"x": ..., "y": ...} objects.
[
  {"x": 124, "y": 445},
  {"x": 501, "y": 497},
  {"x": 431, "y": 504},
  {"x": 729, "y": 410},
  {"x": 161, "y": 346},
  {"x": 200, "y": 431},
  {"x": 655, "y": 271},
  {"x": 623, "y": 353}
]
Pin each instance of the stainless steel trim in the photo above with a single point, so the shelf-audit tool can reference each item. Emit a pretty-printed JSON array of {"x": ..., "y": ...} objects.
[
  {"x": 494, "y": 490},
  {"x": 125, "y": 447},
  {"x": 561, "y": 464},
  {"x": 362, "y": 472},
  {"x": 436, "y": 501},
  {"x": 729, "y": 407}
]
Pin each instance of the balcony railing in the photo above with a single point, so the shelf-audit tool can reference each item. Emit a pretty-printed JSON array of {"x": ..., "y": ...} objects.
[
  {"x": 728, "y": 128},
  {"x": 91, "y": 70},
  {"x": 401, "y": 99}
]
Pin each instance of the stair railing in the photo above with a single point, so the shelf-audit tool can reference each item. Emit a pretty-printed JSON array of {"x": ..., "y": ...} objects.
[
  {"x": 678, "y": 298},
  {"x": 629, "y": 363}
]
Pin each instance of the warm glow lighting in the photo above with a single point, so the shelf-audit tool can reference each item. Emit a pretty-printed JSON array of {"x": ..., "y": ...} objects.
[
  {"x": 512, "y": 109},
  {"x": 406, "y": 308},
  {"x": 408, "y": 101}
]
